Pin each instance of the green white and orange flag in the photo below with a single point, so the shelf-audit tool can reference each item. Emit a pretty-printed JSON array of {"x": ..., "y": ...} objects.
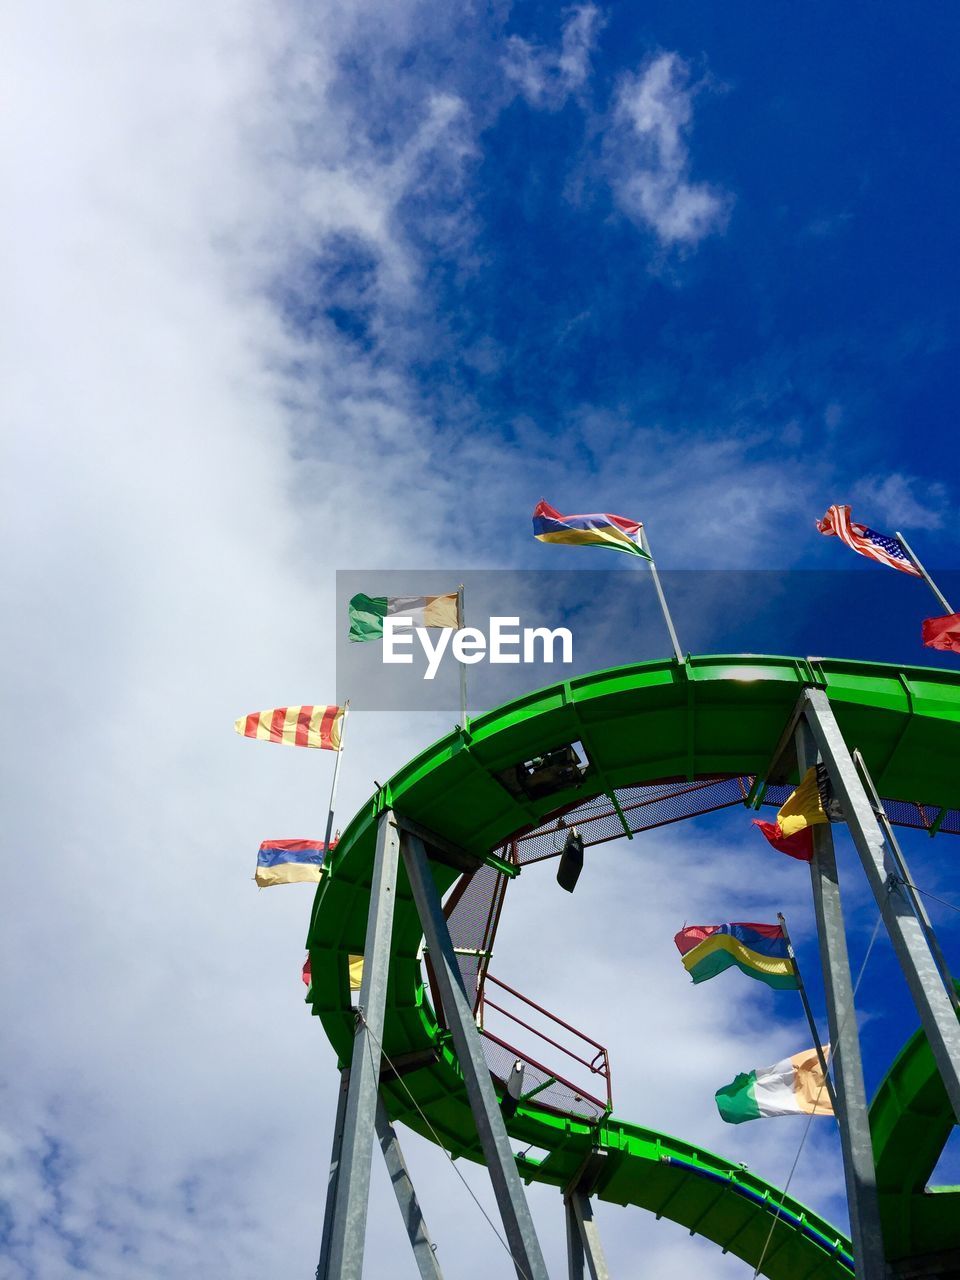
[
  {"x": 368, "y": 612},
  {"x": 793, "y": 1087},
  {"x": 305, "y": 726}
]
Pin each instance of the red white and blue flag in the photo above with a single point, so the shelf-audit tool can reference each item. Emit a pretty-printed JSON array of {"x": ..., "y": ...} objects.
[
  {"x": 867, "y": 542},
  {"x": 291, "y": 861}
]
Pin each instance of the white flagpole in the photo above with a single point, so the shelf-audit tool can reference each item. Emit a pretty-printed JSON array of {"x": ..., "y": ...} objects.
[
  {"x": 644, "y": 543},
  {"x": 463, "y": 668},
  {"x": 923, "y": 574},
  {"x": 336, "y": 779}
]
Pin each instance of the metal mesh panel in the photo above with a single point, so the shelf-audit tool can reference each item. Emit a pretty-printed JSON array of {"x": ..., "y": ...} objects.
[
  {"x": 660, "y": 803},
  {"x": 557, "y": 1096},
  {"x": 473, "y": 911},
  {"x": 903, "y": 813},
  {"x": 643, "y": 807},
  {"x": 472, "y": 921}
]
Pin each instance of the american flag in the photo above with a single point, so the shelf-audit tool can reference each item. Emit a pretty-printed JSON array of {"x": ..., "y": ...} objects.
[{"x": 878, "y": 546}]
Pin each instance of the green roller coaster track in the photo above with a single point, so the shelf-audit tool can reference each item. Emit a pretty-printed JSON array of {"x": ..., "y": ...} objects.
[{"x": 705, "y": 717}]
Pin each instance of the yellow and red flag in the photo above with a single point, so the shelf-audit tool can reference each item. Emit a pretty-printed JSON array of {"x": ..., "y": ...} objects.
[
  {"x": 812, "y": 803},
  {"x": 296, "y": 726}
]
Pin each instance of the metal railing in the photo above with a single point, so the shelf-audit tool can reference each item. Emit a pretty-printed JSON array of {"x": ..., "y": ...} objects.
[{"x": 596, "y": 1063}]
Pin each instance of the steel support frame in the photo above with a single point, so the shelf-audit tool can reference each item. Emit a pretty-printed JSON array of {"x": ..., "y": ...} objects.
[
  {"x": 859, "y": 1170},
  {"x": 501, "y": 1163},
  {"x": 333, "y": 1176},
  {"x": 344, "y": 1260},
  {"x": 410, "y": 1211},
  {"x": 583, "y": 1239},
  {"x": 906, "y": 880},
  {"x": 907, "y": 934}
]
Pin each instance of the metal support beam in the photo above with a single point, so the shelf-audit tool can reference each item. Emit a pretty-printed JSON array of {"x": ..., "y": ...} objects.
[
  {"x": 353, "y": 1181},
  {"x": 906, "y": 932},
  {"x": 582, "y": 1225},
  {"x": 906, "y": 880},
  {"x": 323, "y": 1264},
  {"x": 859, "y": 1171},
  {"x": 420, "y": 1242},
  {"x": 574, "y": 1243},
  {"x": 501, "y": 1164}
]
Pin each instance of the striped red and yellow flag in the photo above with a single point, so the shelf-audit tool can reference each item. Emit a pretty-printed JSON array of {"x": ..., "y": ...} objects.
[{"x": 296, "y": 726}]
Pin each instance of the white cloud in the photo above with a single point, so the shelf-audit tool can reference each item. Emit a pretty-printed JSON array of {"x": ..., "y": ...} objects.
[
  {"x": 185, "y": 467},
  {"x": 908, "y": 502},
  {"x": 547, "y": 77},
  {"x": 649, "y": 158}
]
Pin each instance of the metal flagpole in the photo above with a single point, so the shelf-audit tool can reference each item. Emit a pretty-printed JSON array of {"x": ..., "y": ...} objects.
[
  {"x": 463, "y": 666},
  {"x": 645, "y": 544},
  {"x": 336, "y": 779},
  {"x": 811, "y": 1023},
  {"x": 923, "y": 573}
]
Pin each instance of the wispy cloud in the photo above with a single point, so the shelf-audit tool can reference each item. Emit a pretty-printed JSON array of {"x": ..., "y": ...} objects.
[
  {"x": 648, "y": 156},
  {"x": 902, "y": 500},
  {"x": 546, "y": 77}
]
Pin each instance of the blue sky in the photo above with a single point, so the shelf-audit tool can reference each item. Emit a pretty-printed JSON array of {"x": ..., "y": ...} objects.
[
  {"x": 764, "y": 259},
  {"x": 299, "y": 291}
]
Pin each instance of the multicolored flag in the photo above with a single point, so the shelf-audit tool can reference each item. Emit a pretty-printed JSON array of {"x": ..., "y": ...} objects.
[
  {"x": 758, "y": 950},
  {"x": 793, "y": 1087},
  {"x": 597, "y": 530},
  {"x": 877, "y": 546},
  {"x": 942, "y": 633},
  {"x": 296, "y": 726},
  {"x": 368, "y": 612},
  {"x": 812, "y": 803},
  {"x": 290, "y": 862}
]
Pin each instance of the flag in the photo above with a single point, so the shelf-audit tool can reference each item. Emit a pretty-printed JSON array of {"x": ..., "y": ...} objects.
[
  {"x": 792, "y": 1087},
  {"x": 799, "y": 845},
  {"x": 368, "y": 612},
  {"x": 598, "y": 530},
  {"x": 878, "y": 546},
  {"x": 296, "y": 726},
  {"x": 942, "y": 633},
  {"x": 290, "y": 862},
  {"x": 812, "y": 803},
  {"x": 758, "y": 950}
]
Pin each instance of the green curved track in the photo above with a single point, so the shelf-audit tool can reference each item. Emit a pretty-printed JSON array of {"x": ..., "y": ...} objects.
[{"x": 640, "y": 724}]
